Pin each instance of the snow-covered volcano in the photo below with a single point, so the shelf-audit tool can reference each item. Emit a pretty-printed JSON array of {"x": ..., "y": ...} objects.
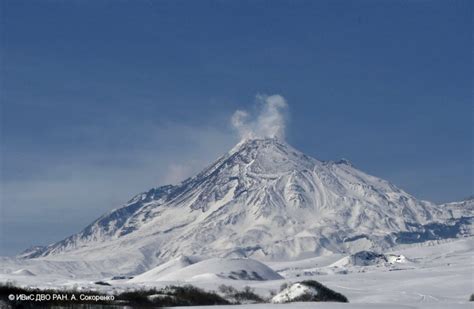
[{"x": 265, "y": 200}]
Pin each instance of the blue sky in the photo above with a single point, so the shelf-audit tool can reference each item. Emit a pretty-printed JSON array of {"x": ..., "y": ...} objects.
[{"x": 101, "y": 100}]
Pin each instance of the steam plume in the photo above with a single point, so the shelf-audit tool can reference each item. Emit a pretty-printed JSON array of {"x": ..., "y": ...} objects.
[{"x": 269, "y": 122}]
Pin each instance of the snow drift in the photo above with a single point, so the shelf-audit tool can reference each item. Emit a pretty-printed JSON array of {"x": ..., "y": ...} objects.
[{"x": 210, "y": 269}]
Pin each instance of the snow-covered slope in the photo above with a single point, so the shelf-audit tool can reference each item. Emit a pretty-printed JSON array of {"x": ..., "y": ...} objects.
[
  {"x": 459, "y": 209},
  {"x": 211, "y": 269},
  {"x": 293, "y": 292},
  {"x": 265, "y": 200},
  {"x": 165, "y": 269}
]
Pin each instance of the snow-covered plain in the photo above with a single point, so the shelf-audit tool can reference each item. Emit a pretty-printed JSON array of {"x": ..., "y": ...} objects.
[{"x": 439, "y": 274}]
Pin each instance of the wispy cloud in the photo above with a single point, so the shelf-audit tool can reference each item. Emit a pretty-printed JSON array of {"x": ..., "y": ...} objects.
[{"x": 71, "y": 189}]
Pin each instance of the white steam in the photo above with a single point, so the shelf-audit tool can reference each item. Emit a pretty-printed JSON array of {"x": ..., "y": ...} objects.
[{"x": 269, "y": 121}]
